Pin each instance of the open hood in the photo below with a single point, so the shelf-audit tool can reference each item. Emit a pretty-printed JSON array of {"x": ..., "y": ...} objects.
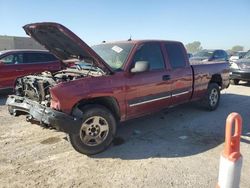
[{"x": 64, "y": 44}]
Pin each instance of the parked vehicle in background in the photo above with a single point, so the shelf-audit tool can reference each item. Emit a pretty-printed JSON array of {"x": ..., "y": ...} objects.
[
  {"x": 240, "y": 70},
  {"x": 126, "y": 80},
  {"x": 210, "y": 55},
  {"x": 17, "y": 63},
  {"x": 236, "y": 56},
  {"x": 189, "y": 55}
]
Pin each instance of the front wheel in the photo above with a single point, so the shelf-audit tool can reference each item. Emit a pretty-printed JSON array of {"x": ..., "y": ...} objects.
[
  {"x": 212, "y": 98},
  {"x": 96, "y": 132}
]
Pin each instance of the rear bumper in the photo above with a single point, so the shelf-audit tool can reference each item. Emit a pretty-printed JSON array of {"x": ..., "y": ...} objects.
[
  {"x": 240, "y": 75},
  {"x": 44, "y": 115}
]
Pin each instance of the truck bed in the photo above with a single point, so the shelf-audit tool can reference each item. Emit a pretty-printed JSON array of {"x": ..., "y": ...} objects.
[{"x": 203, "y": 72}]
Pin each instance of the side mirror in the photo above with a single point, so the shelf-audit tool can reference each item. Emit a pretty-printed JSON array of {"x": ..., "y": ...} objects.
[
  {"x": 140, "y": 66},
  {"x": 1, "y": 63}
]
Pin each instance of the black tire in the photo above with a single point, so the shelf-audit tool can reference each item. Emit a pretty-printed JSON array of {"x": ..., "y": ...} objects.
[
  {"x": 90, "y": 131},
  {"x": 212, "y": 97},
  {"x": 235, "y": 82}
]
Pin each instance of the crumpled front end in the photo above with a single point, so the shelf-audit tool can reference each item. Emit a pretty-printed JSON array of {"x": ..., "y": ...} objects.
[{"x": 43, "y": 115}]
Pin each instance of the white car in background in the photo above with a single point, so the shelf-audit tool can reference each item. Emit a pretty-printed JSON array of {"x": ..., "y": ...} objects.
[{"x": 237, "y": 56}]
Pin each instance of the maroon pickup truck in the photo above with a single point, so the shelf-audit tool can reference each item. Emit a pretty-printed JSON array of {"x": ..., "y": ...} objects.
[{"x": 109, "y": 83}]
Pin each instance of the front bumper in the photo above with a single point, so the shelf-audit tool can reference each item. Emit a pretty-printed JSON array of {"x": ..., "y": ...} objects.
[
  {"x": 44, "y": 115},
  {"x": 240, "y": 75}
]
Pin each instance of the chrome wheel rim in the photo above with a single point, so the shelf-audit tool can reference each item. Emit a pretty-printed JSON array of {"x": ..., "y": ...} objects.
[
  {"x": 214, "y": 96},
  {"x": 94, "y": 131}
]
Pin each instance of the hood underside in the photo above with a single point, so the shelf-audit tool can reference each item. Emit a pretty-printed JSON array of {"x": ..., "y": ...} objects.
[{"x": 64, "y": 44}]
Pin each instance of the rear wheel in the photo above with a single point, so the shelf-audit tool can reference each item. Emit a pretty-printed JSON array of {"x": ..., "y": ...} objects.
[
  {"x": 96, "y": 132},
  {"x": 212, "y": 98},
  {"x": 235, "y": 82}
]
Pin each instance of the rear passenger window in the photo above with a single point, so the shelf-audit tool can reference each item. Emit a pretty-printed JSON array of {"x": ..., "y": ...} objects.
[
  {"x": 151, "y": 53},
  {"x": 175, "y": 55},
  {"x": 48, "y": 57},
  {"x": 30, "y": 58},
  {"x": 38, "y": 57}
]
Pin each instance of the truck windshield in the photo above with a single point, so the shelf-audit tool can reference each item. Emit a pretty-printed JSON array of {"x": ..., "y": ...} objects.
[
  {"x": 114, "y": 54},
  {"x": 203, "y": 53}
]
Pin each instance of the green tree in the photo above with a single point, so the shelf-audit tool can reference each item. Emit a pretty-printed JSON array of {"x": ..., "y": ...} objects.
[
  {"x": 194, "y": 47},
  {"x": 237, "y": 48}
]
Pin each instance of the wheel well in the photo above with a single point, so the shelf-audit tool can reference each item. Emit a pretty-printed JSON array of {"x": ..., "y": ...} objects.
[
  {"x": 216, "y": 78},
  {"x": 109, "y": 102}
]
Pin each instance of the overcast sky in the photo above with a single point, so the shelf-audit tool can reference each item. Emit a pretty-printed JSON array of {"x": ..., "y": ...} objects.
[{"x": 215, "y": 23}]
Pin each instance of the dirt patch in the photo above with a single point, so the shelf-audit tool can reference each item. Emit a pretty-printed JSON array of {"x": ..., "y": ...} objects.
[{"x": 51, "y": 140}]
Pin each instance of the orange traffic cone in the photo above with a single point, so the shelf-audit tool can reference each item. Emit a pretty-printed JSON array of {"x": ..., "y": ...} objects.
[{"x": 231, "y": 159}]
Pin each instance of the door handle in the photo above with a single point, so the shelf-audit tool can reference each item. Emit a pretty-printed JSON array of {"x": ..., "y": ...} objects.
[
  {"x": 19, "y": 70},
  {"x": 166, "y": 77}
]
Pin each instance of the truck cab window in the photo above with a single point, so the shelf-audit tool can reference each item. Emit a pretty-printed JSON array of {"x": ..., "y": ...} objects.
[
  {"x": 176, "y": 56},
  {"x": 152, "y": 54}
]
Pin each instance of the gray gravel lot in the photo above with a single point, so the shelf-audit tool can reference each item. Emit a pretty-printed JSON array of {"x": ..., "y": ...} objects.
[{"x": 178, "y": 147}]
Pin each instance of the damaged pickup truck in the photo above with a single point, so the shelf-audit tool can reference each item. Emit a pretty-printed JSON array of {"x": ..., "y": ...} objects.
[{"x": 109, "y": 83}]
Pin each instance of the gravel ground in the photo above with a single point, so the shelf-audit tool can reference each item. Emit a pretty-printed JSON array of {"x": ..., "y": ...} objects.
[{"x": 178, "y": 147}]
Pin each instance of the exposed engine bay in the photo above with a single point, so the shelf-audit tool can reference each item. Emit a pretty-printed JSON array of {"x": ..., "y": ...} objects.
[{"x": 36, "y": 87}]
